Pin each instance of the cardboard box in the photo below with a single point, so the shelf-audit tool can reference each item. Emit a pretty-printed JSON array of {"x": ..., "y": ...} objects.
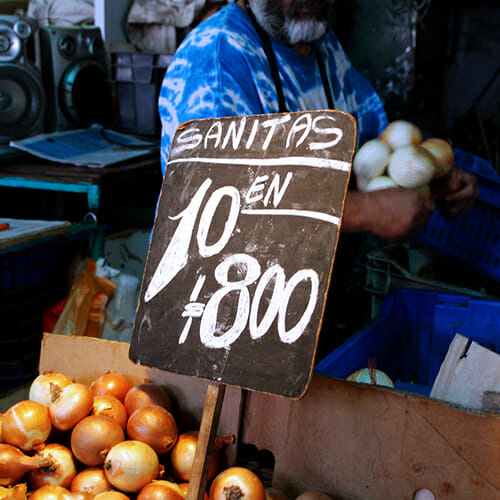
[{"x": 349, "y": 440}]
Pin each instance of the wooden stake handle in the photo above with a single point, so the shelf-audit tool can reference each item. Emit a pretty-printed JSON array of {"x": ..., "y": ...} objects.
[{"x": 205, "y": 443}]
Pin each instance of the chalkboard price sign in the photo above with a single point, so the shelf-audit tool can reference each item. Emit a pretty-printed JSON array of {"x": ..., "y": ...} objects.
[{"x": 242, "y": 249}]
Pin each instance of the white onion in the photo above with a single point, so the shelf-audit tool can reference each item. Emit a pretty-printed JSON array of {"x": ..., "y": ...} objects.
[
  {"x": 381, "y": 182},
  {"x": 442, "y": 154},
  {"x": 371, "y": 376},
  {"x": 411, "y": 166},
  {"x": 424, "y": 494},
  {"x": 371, "y": 159},
  {"x": 401, "y": 133}
]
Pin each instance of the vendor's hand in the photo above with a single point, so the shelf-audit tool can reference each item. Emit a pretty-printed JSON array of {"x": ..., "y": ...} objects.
[
  {"x": 392, "y": 214},
  {"x": 459, "y": 190}
]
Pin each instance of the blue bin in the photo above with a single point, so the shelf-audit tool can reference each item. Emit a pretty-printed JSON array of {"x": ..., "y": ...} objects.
[{"x": 411, "y": 335}]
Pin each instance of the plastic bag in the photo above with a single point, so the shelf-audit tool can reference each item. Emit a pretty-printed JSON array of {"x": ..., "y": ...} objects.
[{"x": 85, "y": 309}]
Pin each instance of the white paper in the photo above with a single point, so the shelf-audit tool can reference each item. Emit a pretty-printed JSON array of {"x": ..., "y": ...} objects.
[{"x": 93, "y": 147}]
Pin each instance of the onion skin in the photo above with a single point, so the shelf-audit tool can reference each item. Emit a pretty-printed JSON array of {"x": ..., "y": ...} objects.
[
  {"x": 236, "y": 483},
  {"x": 109, "y": 406},
  {"x": 155, "y": 426},
  {"x": 18, "y": 492},
  {"x": 50, "y": 493},
  {"x": 111, "y": 495},
  {"x": 442, "y": 154},
  {"x": 111, "y": 384},
  {"x": 146, "y": 394},
  {"x": 380, "y": 183},
  {"x": 74, "y": 403},
  {"x": 61, "y": 470},
  {"x": 130, "y": 465},
  {"x": 371, "y": 159},
  {"x": 182, "y": 456},
  {"x": 26, "y": 425},
  {"x": 401, "y": 133},
  {"x": 411, "y": 167},
  {"x": 93, "y": 437},
  {"x": 91, "y": 480},
  {"x": 47, "y": 386},
  {"x": 14, "y": 464},
  {"x": 161, "y": 490},
  {"x": 185, "y": 486}
]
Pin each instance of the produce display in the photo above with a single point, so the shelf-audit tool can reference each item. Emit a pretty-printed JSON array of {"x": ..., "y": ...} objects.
[
  {"x": 400, "y": 157},
  {"x": 108, "y": 440}
]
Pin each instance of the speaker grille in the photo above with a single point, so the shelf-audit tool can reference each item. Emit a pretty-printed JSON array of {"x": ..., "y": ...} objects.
[{"x": 22, "y": 103}]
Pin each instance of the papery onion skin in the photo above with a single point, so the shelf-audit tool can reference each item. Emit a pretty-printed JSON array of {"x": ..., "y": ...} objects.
[
  {"x": 90, "y": 480},
  {"x": 111, "y": 495},
  {"x": 182, "y": 456},
  {"x": 185, "y": 486},
  {"x": 17, "y": 492},
  {"x": 155, "y": 426},
  {"x": 109, "y": 406},
  {"x": 130, "y": 465},
  {"x": 401, "y": 133},
  {"x": 14, "y": 464},
  {"x": 93, "y": 437},
  {"x": 442, "y": 152},
  {"x": 26, "y": 425},
  {"x": 60, "y": 472},
  {"x": 379, "y": 183},
  {"x": 237, "y": 483},
  {"x": 46, "y": 387},
  {"x": 112, "y": 384},
  {"x": 411, "y": 167},
  {"x": 73, "y": 404},
  {"x": 50, "y": 493},
  {"x": 161, "y": 490},
  {"x": 146, "y": 394},
  {"x": 371, "y": 159}
]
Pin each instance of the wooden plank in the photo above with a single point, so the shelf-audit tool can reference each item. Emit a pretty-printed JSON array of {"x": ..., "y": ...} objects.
[
  {"x": 205, "y": 443},
  {"x": 357, "y": 441},
  {"x": 22, "y": 231}
]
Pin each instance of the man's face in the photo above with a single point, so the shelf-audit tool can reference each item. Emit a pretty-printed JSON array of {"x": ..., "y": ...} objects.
[{"x": 294, "y": 22}]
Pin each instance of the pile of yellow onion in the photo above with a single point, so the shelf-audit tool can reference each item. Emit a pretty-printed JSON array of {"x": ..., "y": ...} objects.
[
  {"x": 401, "y": 158},
  {"x": 110, "y": 440},
  {"x": 106, "y": 440}
]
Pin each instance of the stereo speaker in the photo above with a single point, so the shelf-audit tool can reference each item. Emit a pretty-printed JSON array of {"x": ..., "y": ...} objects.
[
  {"x": 22, "y": 94},
  {"x": 75, "y": 72}
]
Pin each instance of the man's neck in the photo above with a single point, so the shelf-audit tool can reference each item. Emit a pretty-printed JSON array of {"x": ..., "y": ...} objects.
[{"x": 304, "y": 49}]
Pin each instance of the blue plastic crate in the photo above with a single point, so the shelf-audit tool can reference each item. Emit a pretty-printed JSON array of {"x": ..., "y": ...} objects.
[
  {"x": 473, "y": 238},
  {"x": 410, "y": 337}
]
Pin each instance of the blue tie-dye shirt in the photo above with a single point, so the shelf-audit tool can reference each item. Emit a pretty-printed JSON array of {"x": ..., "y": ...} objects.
[{"x": 220, "y": 69}]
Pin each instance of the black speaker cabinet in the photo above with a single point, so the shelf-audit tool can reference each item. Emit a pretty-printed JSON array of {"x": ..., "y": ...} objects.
[
  {"x": 75, "y": 71},
  {"x": 22, "y": 94}
]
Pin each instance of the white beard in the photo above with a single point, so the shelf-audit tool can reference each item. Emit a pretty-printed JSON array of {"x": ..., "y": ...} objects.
[
  {"x": 310, "y": 30},
  {"x": 286, "y": 30}
]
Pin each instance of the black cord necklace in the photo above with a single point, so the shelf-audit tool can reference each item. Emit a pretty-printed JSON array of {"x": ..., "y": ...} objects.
[{"x": 271, "y": 57}]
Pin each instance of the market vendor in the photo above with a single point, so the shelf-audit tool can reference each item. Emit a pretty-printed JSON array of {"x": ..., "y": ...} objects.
[{"x": 269, "y": 56}]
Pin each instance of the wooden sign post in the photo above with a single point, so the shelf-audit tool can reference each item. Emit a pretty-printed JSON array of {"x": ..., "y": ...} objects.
[{"x": 242, "y": 250}]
